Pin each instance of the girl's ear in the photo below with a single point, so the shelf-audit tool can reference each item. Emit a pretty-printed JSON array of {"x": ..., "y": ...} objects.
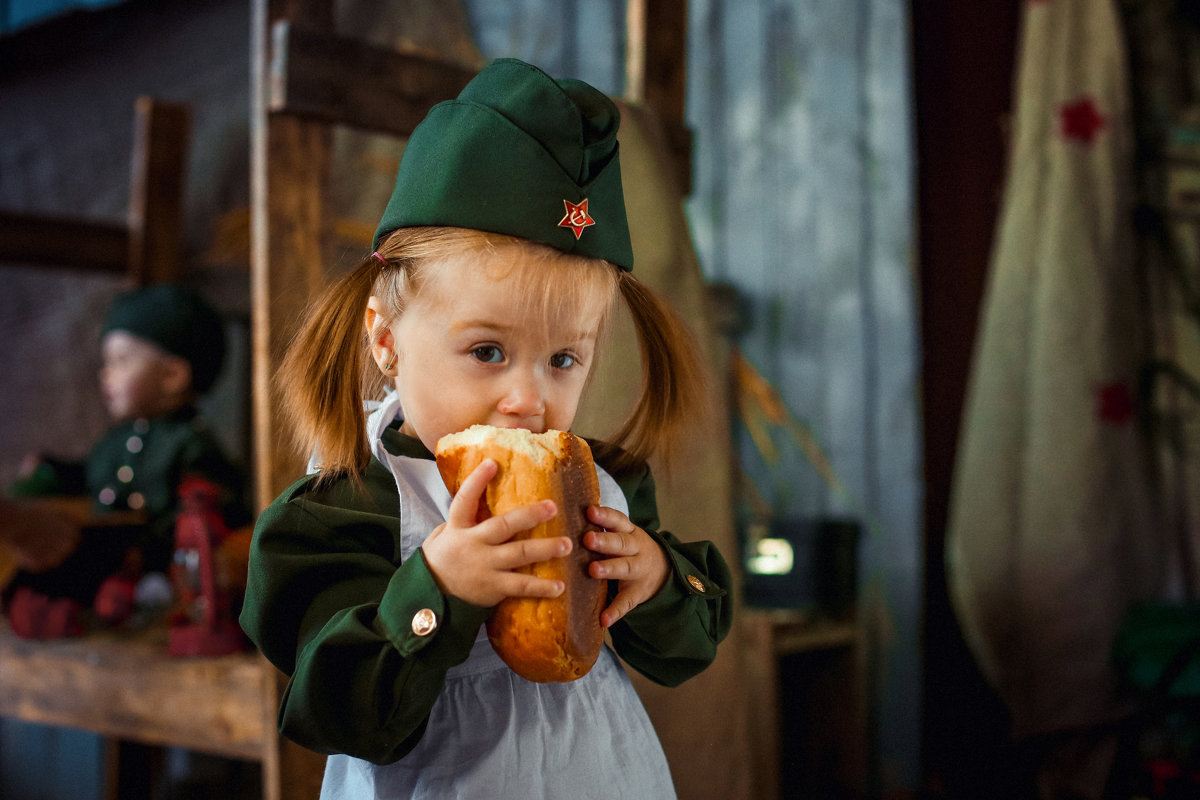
[{"x": 382, "y": 345}]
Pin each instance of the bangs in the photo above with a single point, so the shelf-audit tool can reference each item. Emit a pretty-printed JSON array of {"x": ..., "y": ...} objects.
[{"x": 562, "y": 287}]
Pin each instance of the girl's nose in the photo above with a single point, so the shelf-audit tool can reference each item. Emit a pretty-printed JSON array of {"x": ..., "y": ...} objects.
[{"x": 523, "y": 398}]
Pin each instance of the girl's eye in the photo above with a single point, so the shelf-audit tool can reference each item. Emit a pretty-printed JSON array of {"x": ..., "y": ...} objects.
[
  {"x": 562, "y": 360},
  {"x": 488, "y": 353}
]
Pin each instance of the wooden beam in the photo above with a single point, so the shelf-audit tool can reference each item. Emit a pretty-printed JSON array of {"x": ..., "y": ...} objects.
[
  {"x": 320, "y": 76},
  {"x": 159, "y": 171},
  {"x": 63, "y": 242}
]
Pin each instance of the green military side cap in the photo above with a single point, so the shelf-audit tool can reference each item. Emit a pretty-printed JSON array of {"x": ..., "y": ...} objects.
[
  {"x": 518, "y": 153},
  {"x": 179, "y": 321}
]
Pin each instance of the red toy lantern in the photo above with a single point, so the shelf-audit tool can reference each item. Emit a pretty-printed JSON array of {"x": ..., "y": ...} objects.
[{"x": 203, "y": 624}]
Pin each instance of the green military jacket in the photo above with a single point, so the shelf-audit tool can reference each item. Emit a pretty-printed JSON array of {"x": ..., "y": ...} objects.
[{"x": 329, "y": 603}]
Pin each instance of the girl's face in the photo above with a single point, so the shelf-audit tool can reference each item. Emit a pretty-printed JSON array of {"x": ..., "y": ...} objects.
[
  {"x": 473, "y": 349},
  {"x": 138, "y": 378}
]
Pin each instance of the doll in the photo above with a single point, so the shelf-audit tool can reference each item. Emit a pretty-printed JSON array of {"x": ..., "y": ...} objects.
[{"x": 162, "y": 348}]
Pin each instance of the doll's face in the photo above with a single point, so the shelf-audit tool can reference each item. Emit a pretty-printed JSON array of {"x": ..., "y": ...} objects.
[
  {"x": 140, "y": 379},
  {"x": 473, "y": 349}
]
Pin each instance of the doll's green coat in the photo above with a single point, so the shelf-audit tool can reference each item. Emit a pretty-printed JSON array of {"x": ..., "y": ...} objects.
[
  {"x": 158, "y": 454},
  {"x": 329, "y": 603}
]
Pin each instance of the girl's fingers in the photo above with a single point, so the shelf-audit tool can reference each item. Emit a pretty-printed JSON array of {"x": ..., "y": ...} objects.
[
  {"x": 529, "y": 551},
  {"x": 464, "y": 507},
  {"x": 621, "y": 605},
  {"x": 609, "y": 518},
  {"x": 518, "y": 584},
  {"x": 617, "y": 569},
  {"x": 611, "y": 543},
  {"x": 498, "y": 530}
]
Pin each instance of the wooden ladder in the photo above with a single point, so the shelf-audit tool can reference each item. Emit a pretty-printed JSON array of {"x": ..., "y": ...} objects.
[{"x": 148, "y": 248}]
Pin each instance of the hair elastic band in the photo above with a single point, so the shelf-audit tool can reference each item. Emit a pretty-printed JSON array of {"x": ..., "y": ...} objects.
[{"x": 382, "y": 260}]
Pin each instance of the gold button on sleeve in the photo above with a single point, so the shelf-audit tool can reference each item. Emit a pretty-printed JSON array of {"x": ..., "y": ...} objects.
[{"x": 424, "y": 622}]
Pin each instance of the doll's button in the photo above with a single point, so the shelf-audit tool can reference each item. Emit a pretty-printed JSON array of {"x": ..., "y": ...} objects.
[
  {"x": 424, "y": 622},
  {"x": 696, "y": 583}
]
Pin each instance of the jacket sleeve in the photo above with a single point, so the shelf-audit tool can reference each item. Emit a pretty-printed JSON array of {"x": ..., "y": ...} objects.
[
  {"x": 674, "y": 635},
  {"x": 329, "y": 604}
]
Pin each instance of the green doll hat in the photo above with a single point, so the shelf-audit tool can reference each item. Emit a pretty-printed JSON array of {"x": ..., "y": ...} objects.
[
  {"x": 518, "y": 153},
  {"x": 179, "y": 321}
]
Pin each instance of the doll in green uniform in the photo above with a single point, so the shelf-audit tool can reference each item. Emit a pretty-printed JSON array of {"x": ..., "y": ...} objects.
[
  {"x": 499, "y": 262},
  {"x": 162, "y": 347}
]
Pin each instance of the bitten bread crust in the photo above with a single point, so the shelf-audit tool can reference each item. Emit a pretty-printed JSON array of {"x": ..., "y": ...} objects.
[{"x": 541, "y": 639}]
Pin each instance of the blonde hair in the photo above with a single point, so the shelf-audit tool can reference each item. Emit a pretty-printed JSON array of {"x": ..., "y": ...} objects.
[{"x": 327, "y": 372}]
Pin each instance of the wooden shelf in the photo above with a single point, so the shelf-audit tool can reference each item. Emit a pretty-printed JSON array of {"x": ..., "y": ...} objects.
[
  {"x": 800, "y": 632},
  {"x": 127, "y": 687},
  {"x": 809, "y": 694}
]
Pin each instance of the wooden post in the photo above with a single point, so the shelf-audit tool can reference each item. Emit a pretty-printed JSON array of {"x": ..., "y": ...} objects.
[
  {"x": 656, "y": 61},
  {"x": 305, "y": 80},
  {"x": 159, "y": 170},
  {"x": 289, "y": 164},
  {"x": 656, "y": 71},
  {"x": 289, "y": 167},
  {"x": 289, "y": 771}
]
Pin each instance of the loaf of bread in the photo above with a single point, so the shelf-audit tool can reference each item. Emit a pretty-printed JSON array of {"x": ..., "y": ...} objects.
[{"x": 541, "y": 639}]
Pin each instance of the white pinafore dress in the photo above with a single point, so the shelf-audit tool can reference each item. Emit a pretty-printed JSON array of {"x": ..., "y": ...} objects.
[{"x": 491, "y": 733}]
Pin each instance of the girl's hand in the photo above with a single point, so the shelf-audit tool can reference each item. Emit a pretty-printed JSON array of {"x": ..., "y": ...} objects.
[
  {"x": 639, "y": 565},
  {"x": 475, "y": 562}
]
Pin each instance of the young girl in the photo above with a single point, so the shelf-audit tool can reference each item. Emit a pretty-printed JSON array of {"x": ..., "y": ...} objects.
[{"x": 499, "y": 263}]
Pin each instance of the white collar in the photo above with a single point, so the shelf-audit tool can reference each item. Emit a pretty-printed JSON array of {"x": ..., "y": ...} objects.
[{"x": 387, "y": 411}]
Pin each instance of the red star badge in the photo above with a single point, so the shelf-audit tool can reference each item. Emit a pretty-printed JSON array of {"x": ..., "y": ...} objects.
[
  {"x": 577, "y": 217},
  {"x": 1081, "y": 120}
]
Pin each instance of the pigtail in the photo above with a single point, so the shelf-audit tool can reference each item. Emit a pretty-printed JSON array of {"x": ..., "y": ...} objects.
[
  {"x": 674, "y": 393},
  {"x": 321, "y": 377}
]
